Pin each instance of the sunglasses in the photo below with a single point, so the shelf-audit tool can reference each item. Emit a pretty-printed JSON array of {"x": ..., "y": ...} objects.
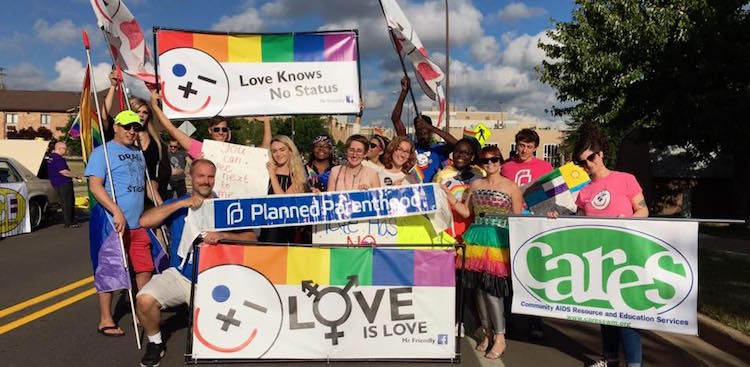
[
  {"x": 590, "y": 158},
  {"x": 488, "y": 160},
  {"x": 220, "y": 129},
  {"x": 173, "y": 146},
  {"x": 374, "y": 146},
  {"x": 135, "y": 127}
]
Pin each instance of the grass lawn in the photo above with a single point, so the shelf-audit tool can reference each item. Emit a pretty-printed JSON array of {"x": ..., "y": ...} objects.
[{"x": 724, "y": 280}]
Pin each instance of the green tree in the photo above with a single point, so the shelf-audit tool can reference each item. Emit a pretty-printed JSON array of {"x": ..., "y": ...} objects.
[
  {"x": 677, "y": 70},
  {"x": 74, "y": 144}
]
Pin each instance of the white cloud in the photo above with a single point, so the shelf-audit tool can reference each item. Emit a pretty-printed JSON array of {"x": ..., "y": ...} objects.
[
  {"x": 247, "y": 21},
  {"x": 517, "y": 11},
  {"x": 64, "y": 32},
  {"x": 374, "y": 99},
  {"x": 24, "y": 77},
  {"x": 486, "y": 50},
  {"x": 70, "y": 74},
  {"x": 524, "y": 52}
]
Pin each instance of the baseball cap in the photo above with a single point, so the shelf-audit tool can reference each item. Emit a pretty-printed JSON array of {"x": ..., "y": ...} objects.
[{"x": 127, "y": 117}]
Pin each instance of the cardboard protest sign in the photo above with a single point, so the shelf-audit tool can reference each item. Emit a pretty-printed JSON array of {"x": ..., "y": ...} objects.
[{"x": 240, "y": 170}]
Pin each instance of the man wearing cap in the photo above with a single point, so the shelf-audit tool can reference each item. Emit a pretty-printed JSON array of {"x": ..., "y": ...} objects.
[{"x": 127, "y": 167}]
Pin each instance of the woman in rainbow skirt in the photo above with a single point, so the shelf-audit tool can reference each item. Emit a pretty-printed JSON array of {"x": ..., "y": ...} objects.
[{"x": 490, "y": 200}]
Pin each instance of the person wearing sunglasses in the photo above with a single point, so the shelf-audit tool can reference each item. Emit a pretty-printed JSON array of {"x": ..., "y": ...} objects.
[
  {"x": 609, "y": 194},
  {"x": 127, "y": 167},
  {"x": 320, "y": 163},
  {"x": 430, "y": 158},
  {"x": 457, "y": 178},
  {"x": 375, "y": 153},
  {"x": 353, "y": 175},
  {"x": 490, "y": 199},
  {"x": 218, "y": 130}
]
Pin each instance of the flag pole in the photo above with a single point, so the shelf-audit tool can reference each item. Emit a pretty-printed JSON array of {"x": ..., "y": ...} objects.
[
  {"x": 403, "y": 67},
  {"x": 149, "y": 184},
  {"x": 111, "y": 184},
  {"x": 447, "y": 72}
]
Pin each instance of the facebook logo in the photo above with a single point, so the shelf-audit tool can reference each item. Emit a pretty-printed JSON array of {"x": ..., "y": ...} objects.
[
  {"x": 442, "y": 339},
  {"x": 349, "y": 99}
]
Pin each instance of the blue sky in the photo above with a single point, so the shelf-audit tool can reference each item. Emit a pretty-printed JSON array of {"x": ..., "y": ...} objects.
[{"x": 493, "y": 49}]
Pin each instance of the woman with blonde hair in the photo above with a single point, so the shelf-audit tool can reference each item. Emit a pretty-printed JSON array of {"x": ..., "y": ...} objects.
[
  {"x": 398, "y": 159},
  {"x": 286, "y": 175}
]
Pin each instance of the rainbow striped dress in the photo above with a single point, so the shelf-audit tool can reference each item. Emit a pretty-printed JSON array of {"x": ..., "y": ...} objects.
[{"x": 487, "y": 243}]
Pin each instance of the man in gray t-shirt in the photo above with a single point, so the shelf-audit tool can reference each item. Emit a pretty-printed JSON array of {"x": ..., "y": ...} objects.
[{"x": 178, "y": 161}]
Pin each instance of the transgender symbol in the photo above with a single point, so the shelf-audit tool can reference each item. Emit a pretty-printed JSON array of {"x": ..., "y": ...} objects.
[
  {"x": 193, "y": 83},
  {"x": 312, "y": 290},
  {"x": 240, "y": 311}
]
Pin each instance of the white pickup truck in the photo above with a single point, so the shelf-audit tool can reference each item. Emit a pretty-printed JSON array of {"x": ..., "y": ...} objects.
[{"x": 42, "y": 197}]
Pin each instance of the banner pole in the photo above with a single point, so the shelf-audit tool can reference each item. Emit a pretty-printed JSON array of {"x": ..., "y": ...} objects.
[{"x": 111, "y": 184}]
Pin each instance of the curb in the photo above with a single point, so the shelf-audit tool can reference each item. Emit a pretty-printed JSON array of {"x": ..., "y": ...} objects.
[{"x": 724, "y": 337}]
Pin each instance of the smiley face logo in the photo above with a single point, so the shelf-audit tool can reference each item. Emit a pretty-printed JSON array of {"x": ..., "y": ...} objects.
[
  {"x": 601, "y": 200},
  {"x": 237, "y": 311},
  {"x": 193, "y": 83}
]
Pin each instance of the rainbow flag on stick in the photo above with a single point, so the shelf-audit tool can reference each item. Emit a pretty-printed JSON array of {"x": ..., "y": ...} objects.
[{"x": 556, "y": 190}]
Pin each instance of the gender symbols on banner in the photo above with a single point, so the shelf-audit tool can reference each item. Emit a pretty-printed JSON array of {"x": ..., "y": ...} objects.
[
  {"x": 200, "y": 88},
  {"x": 312, "y": 290},
  {"x": 248, "y": 311}
]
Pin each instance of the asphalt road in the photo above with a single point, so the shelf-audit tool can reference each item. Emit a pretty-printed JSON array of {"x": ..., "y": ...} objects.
[{"x": 34, "y": 264}]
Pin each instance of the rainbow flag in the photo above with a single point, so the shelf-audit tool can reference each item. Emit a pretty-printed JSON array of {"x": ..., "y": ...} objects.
[
  {"x": 468, "y": 133},
  {"x": 554, "y": 190},
  {"x": 88, "y": 123},
  {"x": 263, "y": 48},
  {"x": 417, "y": 174}
]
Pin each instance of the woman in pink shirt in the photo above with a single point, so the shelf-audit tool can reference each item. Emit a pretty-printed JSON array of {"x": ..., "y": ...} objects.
[{"x": 609, "y": 194}]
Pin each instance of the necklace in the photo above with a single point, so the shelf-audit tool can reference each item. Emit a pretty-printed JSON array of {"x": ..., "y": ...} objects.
[{"x": 354, "y": 176}]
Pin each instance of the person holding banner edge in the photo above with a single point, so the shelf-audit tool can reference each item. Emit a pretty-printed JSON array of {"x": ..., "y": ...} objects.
[
  {"x": 218, "y": 130},
  {"x": 429, "y": 158},
  {"x": 129, "y": 180},
  {"x": 172, "y": 287},
  {"x": 490, "y": 199},
  {"x": 609, "y": 194}
]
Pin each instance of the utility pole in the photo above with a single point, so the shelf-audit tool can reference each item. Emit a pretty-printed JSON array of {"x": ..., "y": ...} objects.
[{"x": 2, "y": 78}]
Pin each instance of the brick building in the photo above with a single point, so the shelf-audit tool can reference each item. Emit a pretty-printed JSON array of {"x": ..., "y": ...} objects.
[{"x": 20, "y": 109}]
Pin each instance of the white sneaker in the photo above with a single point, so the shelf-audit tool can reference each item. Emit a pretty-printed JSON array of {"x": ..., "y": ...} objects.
[{"x": 600, "y": 363}]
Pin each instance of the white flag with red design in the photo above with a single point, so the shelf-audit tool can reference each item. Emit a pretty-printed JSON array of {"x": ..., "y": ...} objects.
[
  {"x": 125, "y": 39},
  {"x": 429, "y": 75}
]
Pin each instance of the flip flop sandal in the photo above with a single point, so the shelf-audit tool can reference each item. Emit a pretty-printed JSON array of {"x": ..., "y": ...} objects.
[{"x": 103, "y": 330}]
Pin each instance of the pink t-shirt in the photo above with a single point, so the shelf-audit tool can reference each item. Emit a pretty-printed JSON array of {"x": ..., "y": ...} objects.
[
  {"x": 524, "y": 173},
  {"x": 195, "y": 149},
  {"x": 610, "y": 196}
]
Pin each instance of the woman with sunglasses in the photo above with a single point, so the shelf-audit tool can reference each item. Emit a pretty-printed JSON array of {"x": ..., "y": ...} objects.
[
  {"x": 320, "y": 163},
  {"x": 400, "y": 156},
  {"x": 490, "y": 200},
  {"x": 218, "y": 130},
  {"x": 457, "y": 178},
  {"x": 353, "y": 175},
  {"x": 286, "y": 175},
  {"x": 375, "y": 153},
  {"x": 609, "y": 194}
]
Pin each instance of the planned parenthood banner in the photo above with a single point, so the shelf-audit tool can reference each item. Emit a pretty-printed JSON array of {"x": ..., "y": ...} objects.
[
  {"x": 631, "y": 273},
  {"x": 274, "y": 302},
  {"x": 306, "y": 209},
  {"x": 14, "y": 209},
  {"x": 204, "y": 74}
]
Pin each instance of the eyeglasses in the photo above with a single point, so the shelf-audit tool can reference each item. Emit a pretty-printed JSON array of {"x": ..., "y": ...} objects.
[
  {"x": 590, "y": 158},
  {"x": 403, "y": 150},
  {"x": 173, "y": 147},
  {"x": 355, "y": 151},
  {"x": 374, "y": 146},
  {"x": 220, "y": 129},
  {"x": 134, "y": 126},
  {"x": 490, "y": 159}
]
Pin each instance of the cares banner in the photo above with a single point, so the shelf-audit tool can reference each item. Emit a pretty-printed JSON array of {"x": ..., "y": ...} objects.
[
  {"x": 274, "y": 302},
  {"x": 205, "y": 74},
  {"x": 630, "y": 273},
  {"x": 14, "y": 209}
]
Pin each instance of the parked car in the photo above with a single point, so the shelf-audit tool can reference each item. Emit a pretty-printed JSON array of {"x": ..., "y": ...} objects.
[{"x": 42, "y": 197}]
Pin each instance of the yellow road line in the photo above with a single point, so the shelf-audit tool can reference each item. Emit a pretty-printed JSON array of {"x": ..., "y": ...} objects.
[
  {"x": 46, "y": 296},
  {"x": 45, "y": 311}
]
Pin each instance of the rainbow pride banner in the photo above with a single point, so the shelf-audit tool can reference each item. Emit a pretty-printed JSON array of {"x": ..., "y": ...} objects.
[
  {"x": 279, "y": 302},
  {"x": 556, "y": 190},
  {"x": 204, "y": 74}
]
